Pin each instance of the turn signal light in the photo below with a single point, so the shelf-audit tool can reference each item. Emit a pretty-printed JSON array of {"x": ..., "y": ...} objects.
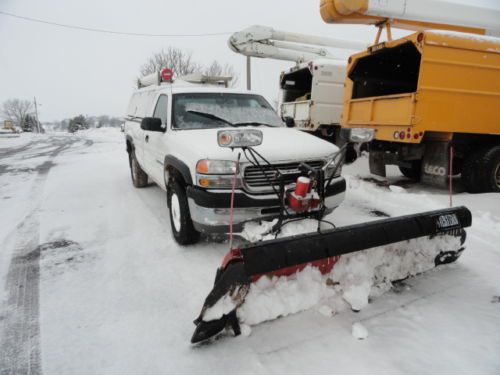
[{"x": 205, "y": 182}]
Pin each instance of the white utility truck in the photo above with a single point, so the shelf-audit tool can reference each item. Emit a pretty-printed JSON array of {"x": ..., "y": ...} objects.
[
  {"x": 312, "y": 91},
  {"x": 174, "y": 130}
]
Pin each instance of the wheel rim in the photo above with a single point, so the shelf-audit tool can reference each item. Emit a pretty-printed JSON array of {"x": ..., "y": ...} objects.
[
  {"x": 497, "y": 176},
  {"x": 176, "y": 212}
]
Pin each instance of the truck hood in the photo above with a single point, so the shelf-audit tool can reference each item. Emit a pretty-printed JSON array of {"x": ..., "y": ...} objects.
[{"x": 278, "y": 145}]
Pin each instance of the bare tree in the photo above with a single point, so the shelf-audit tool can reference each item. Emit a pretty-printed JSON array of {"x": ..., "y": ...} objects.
[
  {"x": 174, "y": 58},
  {"x": 181, "y": 63},
  {"x": 216, "y": 69},
  {"x": 17, "y": 110}
]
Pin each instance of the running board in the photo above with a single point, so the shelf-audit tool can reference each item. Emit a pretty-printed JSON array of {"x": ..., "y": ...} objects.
[{"x": 241, "y": 266}]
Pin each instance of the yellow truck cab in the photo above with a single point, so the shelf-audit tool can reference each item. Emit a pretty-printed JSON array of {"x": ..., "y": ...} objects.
[{"x": 424, "y": 94}]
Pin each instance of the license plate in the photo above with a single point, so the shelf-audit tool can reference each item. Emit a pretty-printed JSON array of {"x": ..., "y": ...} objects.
[{"x": 447, "y": 221}]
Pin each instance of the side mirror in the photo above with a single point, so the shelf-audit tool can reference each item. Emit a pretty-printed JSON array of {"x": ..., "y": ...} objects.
[
  {"x": 290, "y": 123},
  {"x": 152, "y": 124}
]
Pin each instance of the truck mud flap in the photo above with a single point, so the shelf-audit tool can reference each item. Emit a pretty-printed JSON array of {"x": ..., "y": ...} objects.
[
  {"x": 376, "y": 163},
  {"x": 435, "y": 164}
]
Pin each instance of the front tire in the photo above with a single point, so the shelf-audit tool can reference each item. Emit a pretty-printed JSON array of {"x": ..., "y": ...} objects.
[
  {"x": 180, "y": 217},
  {"x": 139, "y": 177}
]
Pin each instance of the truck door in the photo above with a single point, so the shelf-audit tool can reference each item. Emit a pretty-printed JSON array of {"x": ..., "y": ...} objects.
[{"x": 154, "y": 142}]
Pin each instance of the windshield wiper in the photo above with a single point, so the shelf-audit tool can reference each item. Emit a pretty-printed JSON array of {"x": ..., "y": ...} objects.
[
  {"x": 217, "y": 118},
  {"x": 211, "y": 116},
  {"x": 255, "y": 123}
]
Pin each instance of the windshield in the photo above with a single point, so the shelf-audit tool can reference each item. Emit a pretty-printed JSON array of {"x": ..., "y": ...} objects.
[{"x": 217, "y": 110}]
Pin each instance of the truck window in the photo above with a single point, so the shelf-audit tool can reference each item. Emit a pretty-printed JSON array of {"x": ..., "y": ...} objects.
[
  {"x": 217, "y": 110},
  {"x": 296, "y": 86},
  {"x": 161, "y": 109},
  {"x": 386, "y": 72},
  {"x": 132, "y": 106}
]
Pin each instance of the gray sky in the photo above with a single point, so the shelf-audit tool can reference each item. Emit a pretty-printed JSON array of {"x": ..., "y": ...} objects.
[{"x": 72, "y": 72}]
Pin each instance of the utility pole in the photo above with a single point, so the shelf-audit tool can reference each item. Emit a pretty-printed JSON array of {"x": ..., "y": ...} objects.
[
  {"x": 36, "y": 115},
  {"x": 249, "y": 74}
]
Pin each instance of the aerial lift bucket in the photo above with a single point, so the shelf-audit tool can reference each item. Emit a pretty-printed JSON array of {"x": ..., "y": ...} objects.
[{"x": 286, "y": 256}]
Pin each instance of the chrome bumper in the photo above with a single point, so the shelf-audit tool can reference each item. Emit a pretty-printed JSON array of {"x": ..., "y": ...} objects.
[{"x": 216, "y": 219}]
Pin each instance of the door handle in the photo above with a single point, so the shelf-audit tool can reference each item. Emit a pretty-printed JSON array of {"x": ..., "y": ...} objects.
[{"x": 147, "y": 138}]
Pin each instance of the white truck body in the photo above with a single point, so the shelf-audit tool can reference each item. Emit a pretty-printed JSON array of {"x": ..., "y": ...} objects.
[
  {"x": 158, "y": 153},
  {"x": 312, "y": 94}
]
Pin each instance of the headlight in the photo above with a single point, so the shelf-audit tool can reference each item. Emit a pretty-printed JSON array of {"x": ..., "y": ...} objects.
[
  {"x": 332, "y": 167},
  {"x": 357, "y": 135},
  {"x": 239, "y": 137},
  {"x": 206, "y": 166}
]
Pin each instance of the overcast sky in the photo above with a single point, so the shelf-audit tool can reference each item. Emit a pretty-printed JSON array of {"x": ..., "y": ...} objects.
[{"x": 72, "y": 72}]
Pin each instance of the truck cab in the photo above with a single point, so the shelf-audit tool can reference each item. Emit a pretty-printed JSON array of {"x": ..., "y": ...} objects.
[{"x": 171, "y": 134}]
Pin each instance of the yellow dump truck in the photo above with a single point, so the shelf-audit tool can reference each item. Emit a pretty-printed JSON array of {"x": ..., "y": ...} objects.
[{"x": 429, "y": 96}]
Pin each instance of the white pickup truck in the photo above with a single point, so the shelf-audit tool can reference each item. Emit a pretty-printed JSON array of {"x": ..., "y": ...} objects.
[{"x": 171, "y": 136}]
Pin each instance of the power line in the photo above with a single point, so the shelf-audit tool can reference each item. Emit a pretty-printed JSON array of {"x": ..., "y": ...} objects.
[{"x": 84, "y": 28}]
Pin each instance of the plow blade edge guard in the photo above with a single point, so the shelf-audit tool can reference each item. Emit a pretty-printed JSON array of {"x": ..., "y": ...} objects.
[{"x": 241, "y": 266}]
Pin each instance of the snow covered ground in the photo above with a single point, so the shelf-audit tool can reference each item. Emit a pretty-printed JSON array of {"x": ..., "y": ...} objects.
[{"x": 91, "y": 281}]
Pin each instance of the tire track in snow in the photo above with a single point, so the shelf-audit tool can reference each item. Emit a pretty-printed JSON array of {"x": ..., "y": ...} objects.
[
  {"x": 20, "y": 341},
  {"x": 12, "y": 151},
  {"x": 20, "y": 351}
]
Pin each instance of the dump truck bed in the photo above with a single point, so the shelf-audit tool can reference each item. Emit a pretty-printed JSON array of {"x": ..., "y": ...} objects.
[{"x": 432, "y": 81}]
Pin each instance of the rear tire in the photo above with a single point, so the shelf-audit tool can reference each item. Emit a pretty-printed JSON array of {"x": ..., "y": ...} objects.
[
  {"x": 412, "y": 172},
  {"x": 481, "y": 171},
  {"x": 139, "y": 177},
  {"x": 180, "y": 217}
]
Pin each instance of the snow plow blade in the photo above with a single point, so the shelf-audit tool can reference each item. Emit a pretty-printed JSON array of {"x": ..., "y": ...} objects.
[{"x": 288, "y": 255}]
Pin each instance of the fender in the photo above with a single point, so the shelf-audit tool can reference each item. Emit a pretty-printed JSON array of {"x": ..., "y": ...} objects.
[
  {"x": 180, "y": 166},
  {"x": 128, "y": 138}
]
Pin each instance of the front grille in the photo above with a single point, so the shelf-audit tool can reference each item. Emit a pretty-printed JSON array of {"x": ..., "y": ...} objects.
[{"x": 264, "y": 176}]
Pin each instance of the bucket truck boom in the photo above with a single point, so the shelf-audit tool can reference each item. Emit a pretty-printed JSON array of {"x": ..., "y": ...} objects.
[
  {"x": 478, "y": 17},
  {"x": 266, "y": 42},
  {"x": 312, "y": 90}
]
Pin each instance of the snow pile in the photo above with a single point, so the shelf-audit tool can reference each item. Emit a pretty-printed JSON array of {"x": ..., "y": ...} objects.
[
  {"x": 254, "y": 231},
  {"x": 359, "y": 331},
  {"x": 354, "y": 278},
  {"x": 326, "y": 311},
  {"x": 270, "y": 298}
]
